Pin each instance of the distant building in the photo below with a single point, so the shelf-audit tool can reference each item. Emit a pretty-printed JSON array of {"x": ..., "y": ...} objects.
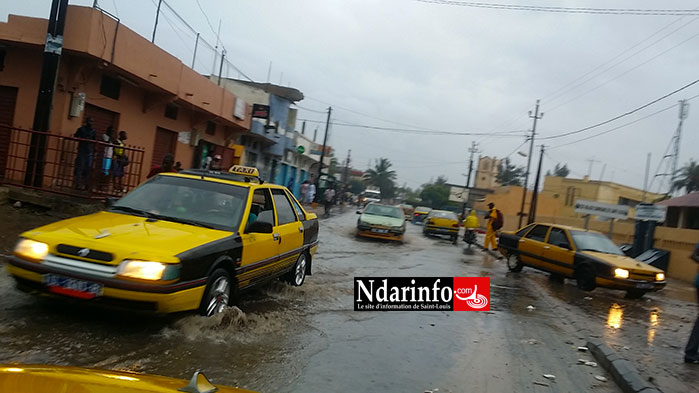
[
  {"x": 568, "y": 190},
  {"x": 682, "y": 212},
  {"x": 487, "y": 173}
]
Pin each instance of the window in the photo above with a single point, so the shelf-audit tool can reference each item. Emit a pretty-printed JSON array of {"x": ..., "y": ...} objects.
[
  {"x": 171, "y": 111},
  {"x": 285, "y": 212},
  {"x": 571, "y": 194},
  {"x": 2, "y": 58},
  {"x": 524, "y": 230},
  {"x": 538, "y": 233},
  {"x": 210, "y": 127},
  {"x": 110, "y": 87},
  {"x": 299, "y": 211},
  {"x": 261, "y": 208},
  {"x": 557, "y": 237}
]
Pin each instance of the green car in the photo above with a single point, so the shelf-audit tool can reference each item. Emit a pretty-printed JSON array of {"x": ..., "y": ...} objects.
[{"x": 381, "y": 222}]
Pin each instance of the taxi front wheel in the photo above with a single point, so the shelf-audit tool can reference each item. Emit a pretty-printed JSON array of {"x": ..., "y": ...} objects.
[
  {"x": 217, "y": 294},
  {"x": 514, "y": 264},
  {"x": 585, "y": 277},
  {"x": 297, "y": 275}
]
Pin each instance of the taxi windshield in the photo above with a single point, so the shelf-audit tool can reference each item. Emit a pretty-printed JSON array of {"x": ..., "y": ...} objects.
[
  {"x": 592, "y": 241},
  {"x": 188, "y": 201},
  {"x": 383, "y": 210}
]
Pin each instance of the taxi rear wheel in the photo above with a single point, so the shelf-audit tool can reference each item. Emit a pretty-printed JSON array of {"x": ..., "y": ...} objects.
[
  {"x": 585, "y": 277},
  {"x": 217, "y": 294},
  {"x": 297, "y": 275},
  {"x": 514, "y": 264}
]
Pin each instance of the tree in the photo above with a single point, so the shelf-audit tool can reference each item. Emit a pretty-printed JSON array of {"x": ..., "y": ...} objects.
[
  {"x": 561, "y": 170},
  {"x": 383, "y": 177},
  {"x": 687, "y": 177},
  {"x": 436, "y": 195},
  {"x": 356, "y": 186},
  {"x": 510, "y": 174}
]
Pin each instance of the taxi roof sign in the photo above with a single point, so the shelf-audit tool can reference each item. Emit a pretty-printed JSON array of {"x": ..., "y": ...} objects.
[{"x": 247, "y": 171}]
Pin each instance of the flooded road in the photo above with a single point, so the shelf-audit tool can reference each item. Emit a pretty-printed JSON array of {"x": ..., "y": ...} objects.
[{"x": 309, "y": 339}]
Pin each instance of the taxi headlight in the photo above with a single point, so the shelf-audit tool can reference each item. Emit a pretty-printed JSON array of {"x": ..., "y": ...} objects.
[
  {"x": 32, "y": 250},
  {"x": 148, "y": 270},
  {"x": 621, "y": 273},
  {"x": 660, "y": 277}
]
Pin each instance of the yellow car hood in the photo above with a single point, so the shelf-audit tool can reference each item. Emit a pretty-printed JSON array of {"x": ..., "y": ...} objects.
[
  {"x": 125, "y": 236},
  {"x": 50, "y": 379},
  {"x": 624, "y": 262}
]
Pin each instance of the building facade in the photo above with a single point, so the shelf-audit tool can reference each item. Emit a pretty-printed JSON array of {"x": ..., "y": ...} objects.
[
  {"x": 487, "y": 173},
  {"x": 119, "y": 79},
  {"x": 568, "y": 190}
]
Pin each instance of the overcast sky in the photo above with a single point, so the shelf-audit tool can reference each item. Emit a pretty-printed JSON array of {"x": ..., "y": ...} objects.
[{"x": 408, "y": 64}]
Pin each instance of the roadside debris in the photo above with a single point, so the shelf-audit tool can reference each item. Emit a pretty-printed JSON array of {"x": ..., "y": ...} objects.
[
  {"x": 582, "y": 349},
  {"x": 17, "y": 204},
  {"x": 600, "y": 378},
  {"x": 540, "y": 383},
  {"x": 531, "y": 308},
  {"x": 532, "y": 341},
  {"x": 550, "y": 376},
  {"x": 588, "y": 298}
]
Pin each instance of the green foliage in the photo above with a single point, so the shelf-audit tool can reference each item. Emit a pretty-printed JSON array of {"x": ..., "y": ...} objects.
[
  {"x": 435, "y": 195},
  {"x": 510, "y": 174},
  {"x": 356, "y": 186},
  {"x": 383, "y": 177},
  {"x": 687, "y": 177},
  {"x": 561, "y": 170}
]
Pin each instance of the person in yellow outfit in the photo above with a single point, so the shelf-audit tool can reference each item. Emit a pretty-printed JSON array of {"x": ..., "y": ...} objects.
[
  {"x": 471, "y": 224},
  {"x": 490, "y": 231}
]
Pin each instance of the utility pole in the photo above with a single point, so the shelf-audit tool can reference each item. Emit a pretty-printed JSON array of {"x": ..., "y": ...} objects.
[
  {"x": 645, "y": 180},
  {"x": 347, "y": 165},
  {"x": 322, "y": 153},
  {"x": 536, "y": 117},
  {"x": 535, "y": 193},
  {"x": 157, "y": 16},
  {"x": 601, "y": 176},
  {"x": 472, "y": 150},
  {"x": 44, "y": 101}
]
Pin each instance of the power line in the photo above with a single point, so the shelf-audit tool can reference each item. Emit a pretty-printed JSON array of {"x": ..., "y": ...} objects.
[
  {"x": 338, "y": 122},
  {"x": 623, "y": 114},
  {"x": 568, "y": 10},
  {"x": 208, "y": 21}
]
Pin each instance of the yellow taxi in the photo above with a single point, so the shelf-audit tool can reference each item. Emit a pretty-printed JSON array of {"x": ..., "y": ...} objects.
[
  {"x": 419, "y": 214},
  {"x": 589, "y": 257},
  {"x": 442, "y": 222},
  {"x": 50, "y": 379},
  {"x": 180, "y": 241}
]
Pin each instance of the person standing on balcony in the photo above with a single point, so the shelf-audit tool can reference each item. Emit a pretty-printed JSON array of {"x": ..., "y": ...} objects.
[{"x": 86, "y": 148}]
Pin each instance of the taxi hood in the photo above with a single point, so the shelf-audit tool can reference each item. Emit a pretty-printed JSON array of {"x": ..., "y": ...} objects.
[
  {"x": 622, "y": 261},
  {"x": 46, "y": 379},
  {"x": 126, "y": 236}
]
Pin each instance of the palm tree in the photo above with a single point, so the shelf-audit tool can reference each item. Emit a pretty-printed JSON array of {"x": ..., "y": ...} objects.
[
  {"x": 687, "y": 177},
  {"x": 382, "y": 176}
]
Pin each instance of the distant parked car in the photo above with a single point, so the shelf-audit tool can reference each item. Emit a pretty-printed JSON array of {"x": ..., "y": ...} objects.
[{"x": 420, "y": 213}]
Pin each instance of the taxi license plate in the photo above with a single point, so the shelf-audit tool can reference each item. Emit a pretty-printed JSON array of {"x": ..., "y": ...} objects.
[
  {"x": 378, "y": 230},
  {"x": 72, "y": 287},
  {"x": 644, "y": 285}
]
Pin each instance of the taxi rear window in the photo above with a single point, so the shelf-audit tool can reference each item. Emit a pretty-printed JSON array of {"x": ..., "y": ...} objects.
[
  {"x": 449, "y": 215},
  {"x": 195, "y": 201}
]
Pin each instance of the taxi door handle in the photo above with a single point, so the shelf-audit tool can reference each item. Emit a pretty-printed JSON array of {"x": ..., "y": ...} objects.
[
  {"x": 300, "y": 229},
  {"x": 521, "y": 240},
  {"x": 546, "y": 247},
  {"x": 276, "y": 237}
]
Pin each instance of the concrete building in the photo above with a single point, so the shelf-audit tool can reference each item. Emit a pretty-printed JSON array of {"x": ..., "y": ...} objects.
[
  {"x": 487, "y": 173},
  {"x": 683, "y": 211},
  {"x": 508, "y": 199},
  {"x": 567, "y": 191},
  {"x": 120, "y": 79}
]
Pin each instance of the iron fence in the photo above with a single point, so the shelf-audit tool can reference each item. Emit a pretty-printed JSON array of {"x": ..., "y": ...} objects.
[{"x": 67, "y": 165}]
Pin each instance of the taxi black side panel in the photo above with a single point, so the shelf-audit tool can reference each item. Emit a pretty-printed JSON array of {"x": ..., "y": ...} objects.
[
  {"x": 197, "y": 262},
  {"x": 508, "y": 241},
  {"x": 310, "y": 232},
  {"x": 602, "y": 269}
]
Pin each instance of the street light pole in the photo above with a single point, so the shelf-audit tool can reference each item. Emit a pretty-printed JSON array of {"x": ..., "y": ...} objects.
[
  {"x": 535, "y": 193},
  {"x": 322, "y": 153},
  {"x": 536, "y": 117}
]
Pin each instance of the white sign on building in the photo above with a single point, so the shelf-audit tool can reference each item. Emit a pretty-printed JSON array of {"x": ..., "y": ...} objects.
[
  {"x": 601, "y": 209},
  {"x": 458, "y": 194},
  {"x": 239, "y": 109},
  {"x": 650, "y": 212}
]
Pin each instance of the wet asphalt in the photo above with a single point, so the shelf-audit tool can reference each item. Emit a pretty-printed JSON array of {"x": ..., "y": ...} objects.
[{"x": 309, "y": 339}]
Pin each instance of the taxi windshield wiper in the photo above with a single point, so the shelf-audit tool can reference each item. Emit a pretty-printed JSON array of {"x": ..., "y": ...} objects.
[
  {"x": 180, "y": 220},
  {"x": 137, "y": 212}
]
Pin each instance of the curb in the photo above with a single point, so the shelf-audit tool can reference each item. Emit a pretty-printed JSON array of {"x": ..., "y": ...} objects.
[{"x": 622, "y": 371}]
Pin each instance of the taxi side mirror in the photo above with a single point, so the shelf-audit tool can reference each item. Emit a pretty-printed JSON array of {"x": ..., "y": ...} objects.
[
  {"x": 109, "y": 202},
  {"x": 259, "y": 227},
  {"x": 359, "y": 212}
]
